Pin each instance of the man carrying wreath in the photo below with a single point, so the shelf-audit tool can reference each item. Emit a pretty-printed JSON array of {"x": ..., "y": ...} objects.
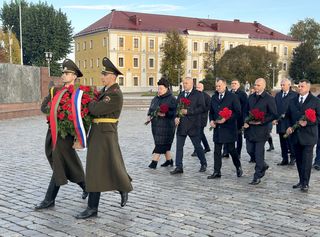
[
  {"x": 256, "y": 130},
  {"x": 224, "y": 112},
  {"x": 304, "y": 113}
]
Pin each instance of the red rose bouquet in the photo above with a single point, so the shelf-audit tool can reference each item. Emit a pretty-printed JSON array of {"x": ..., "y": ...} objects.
[
  {"x": 184, "y": 103},
  {"x": 225, "y": 113},
  {"x": 163, "y": 108},
  {"x": 309, "y": 115},
  {"x": 254, "y": 115}
]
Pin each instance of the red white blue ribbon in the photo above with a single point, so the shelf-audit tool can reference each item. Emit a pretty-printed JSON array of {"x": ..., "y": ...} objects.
[{"x": 77, "y": 119}]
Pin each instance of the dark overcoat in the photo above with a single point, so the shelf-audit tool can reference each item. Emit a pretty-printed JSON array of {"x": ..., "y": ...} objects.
[
  {"x": 307, "y": 135},
  {"x": 190, "y": 124},
  {"x": 204, "y": 116},
  {"x": 265, "y": 103},
  {"x": 63, "y": 160},
  {"x": 163, "y": 128},
  {"x": 105, "y": 169},
  {"x": 228, "y": 131}
]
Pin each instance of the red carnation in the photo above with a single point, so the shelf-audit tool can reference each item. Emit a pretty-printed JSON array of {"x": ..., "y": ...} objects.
[
  {"x": 65, "y": 107},
  {"x": 164, "y": 108},
  {"x": 85, "y": 88},
  {"x": 85, "y": 111},
  {"x": 70, "y": 89},
  {"x": 60, "y": 116},
  {"x": 49, "y": 104},
  {"x": 70, "y": 117}
]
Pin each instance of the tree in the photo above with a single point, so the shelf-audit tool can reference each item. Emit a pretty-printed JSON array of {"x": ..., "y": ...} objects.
[
  {"x": 307, "y": 31},
  {"x": 247, "y": 63},
  {"x": 43, "y": 29},
  {"x": 174, "y": 54},
  {"x": 15, "y": 48}
]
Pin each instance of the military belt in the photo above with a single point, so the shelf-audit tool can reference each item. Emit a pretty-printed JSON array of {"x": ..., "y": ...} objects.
[{"x": 105, "y": 120}]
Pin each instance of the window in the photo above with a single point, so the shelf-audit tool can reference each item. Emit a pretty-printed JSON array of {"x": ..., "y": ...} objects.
[
  {"x": 78, "y": 46},
  {"x": 91, "y": 44},
  {"x": 79, "y": 64},
  {"x": 84, "y": 45},
  {"x": 194, "y": 81},
  {"x": 284, "y": 67},
  {"x": 285, "y": 51},
  {"x": 230, "y": 46},
  {"x": 135, "y": 81},
  {"x": 195, "y": 64},
  {"x": 121, "y": 62},
  {"x": 91, "y": 63},
  {"x": 135, "y": 62},
  {"x": 91, "y": 81},
  {"x": 151, "y": 44},
  {"x": 274, "y": 49},
  {"x": 98, "y": 62},
  {"x": 195, "y": 46},
  {"x": 206, "y": 47},
  {"x": 151, "y": 62},
  {"x": 85, "y": 64},
  {"x": 136, "y": 43},
  {"x": 150, "y": 81},
  {"x": 121, "y": 81},
  {"x": 104, "y": 42},
  {"x": 121, "y": 42}
]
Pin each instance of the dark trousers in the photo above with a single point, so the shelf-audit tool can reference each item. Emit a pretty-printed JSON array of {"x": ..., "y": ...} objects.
[
  {"x": 286, "y": 146},
  {"x": 198, "y": 148},
  {"x": 204, "y": 139},
  {"x": 218, "y": 157},
  {"x": 304, "y": 156},
  {"x": 239, "y": 145},
  {"x": 256, "y": 152},
  {"x": 317, "y": 159}
]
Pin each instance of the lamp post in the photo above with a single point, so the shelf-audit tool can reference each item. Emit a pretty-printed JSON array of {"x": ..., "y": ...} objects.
[
  {"x": 273, "y": 74},
  {"x": 48, "y": 56},
  {"x": 20, "y": 22},
  {"x": 177, "y": 67},
  {"x": 9, "y": 28},
  {"x": 214, "y": 49}
]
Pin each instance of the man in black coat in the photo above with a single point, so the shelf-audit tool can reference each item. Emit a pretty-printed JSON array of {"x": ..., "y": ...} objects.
[
  {"x": 283, "y": 98},
  {"x": 305, "y": 137},
  {"x": 225, "y": 129},
  {"x": 204, "y": 119},
  {"x": 189, "y": 125},
  {"x": 257, "y": 132}
]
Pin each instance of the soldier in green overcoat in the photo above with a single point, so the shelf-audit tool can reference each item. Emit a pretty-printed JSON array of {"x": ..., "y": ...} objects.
[
  {"x": 63, "y": 160},
  {"x": 105, "y": 169}
]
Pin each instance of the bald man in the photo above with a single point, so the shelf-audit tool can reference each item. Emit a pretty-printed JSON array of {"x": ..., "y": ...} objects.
[
  {"x": 257, "y": 132},
  {"x": 283, "y": 98}
]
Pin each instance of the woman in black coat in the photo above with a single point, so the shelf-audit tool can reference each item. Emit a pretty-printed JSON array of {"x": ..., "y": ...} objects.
[{"x": 162, "y": 123}]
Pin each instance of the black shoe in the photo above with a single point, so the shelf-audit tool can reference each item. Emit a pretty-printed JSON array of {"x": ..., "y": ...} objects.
[
  {"x": 214, "y": 176},
  {"x": 255, "y": 181},
  {"x": 316, "y": 167},
  {"x": 194, "y": 154},
  {"x": 124, "y": 198},
  {"x": 206, "y": 150},
  {"x": 304, "y": 188},
  {"x": 282, "y": 163},
  {"x": 239, "y": 172},
  {"x": 153, "y": 164},
  {"x": 84, "y": 195},
  {"x": 167, "y": 163},
  {"x": 225, "y": 155},
  {"x": 89, "y": 212},
  {"x": 271, "y": 148},
  {"x": 203, "y": 168},
  {"x": 292, "y": 162},
  {"x": 265, "y": 168},
  {"x": 298, "y": 185},
  {"x": 177, "y": 171},
  {"x": 44, "y": 204},
  {"x": 252, "y": 161}
]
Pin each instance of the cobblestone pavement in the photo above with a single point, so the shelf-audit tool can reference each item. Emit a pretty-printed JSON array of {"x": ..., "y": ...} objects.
[{"x": 161, "y": 204}]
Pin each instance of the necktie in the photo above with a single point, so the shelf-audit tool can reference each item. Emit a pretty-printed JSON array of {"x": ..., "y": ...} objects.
[
  {"x": 220, "y": 96},
  {"x": 187, "y": 94},
  {"x": 284, "y": 94},
  {"x": 301, "y": 100}
]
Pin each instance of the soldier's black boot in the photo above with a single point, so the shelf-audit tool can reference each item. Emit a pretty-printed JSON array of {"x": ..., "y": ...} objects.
[
  {"x": 84, "y": 193},
  {"x": 50, "y": 196},
  {"x": 92, "y": 208},
  {"x": 124, "y": 198}
]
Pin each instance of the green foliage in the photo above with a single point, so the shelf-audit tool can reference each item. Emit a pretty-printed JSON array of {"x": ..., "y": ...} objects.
[
  {"x": 174, "y": 54},
  {"x": 43, "y": 29},
  {"x": 247, "y": 63},
  {"x": 208, "y": 82},
  {"x": 15, "y": 48},
  {"x": 307, "y": 31}
]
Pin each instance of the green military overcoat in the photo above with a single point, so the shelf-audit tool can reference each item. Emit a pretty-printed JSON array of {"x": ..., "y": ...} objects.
[
  {"x": 63, "y": 160},
  {"x": 105, "y": 169}
]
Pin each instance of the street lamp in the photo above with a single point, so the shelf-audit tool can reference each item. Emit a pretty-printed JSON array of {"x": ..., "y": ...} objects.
[
  {"x": 177, "y": 67},
  {"x": 273, "y": 74},
  {"x": 9, "y": 28},
  {"x": 214, "y": 49},
  {"x": 48, "y": 56}
]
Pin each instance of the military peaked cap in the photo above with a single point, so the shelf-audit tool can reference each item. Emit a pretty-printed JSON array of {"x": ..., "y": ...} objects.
[
  {"x": 69, "y": 66},
  {"x": 108, "y": 67}
]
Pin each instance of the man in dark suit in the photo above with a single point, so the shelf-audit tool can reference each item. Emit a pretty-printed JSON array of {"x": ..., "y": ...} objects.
[
  {"x": 305, "y": 137},
  {"x": 283, "y": 98},
  {"x": 257, "y": 132},
  {"x": 225, "y": 130},
  {"x": 316, "y": 164},
  {"x": 204, "y": 119},
  {"x": 189, "y": 125}
]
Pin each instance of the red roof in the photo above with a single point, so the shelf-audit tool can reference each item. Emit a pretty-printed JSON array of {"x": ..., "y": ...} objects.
[{"x": 162, "y": 23}]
